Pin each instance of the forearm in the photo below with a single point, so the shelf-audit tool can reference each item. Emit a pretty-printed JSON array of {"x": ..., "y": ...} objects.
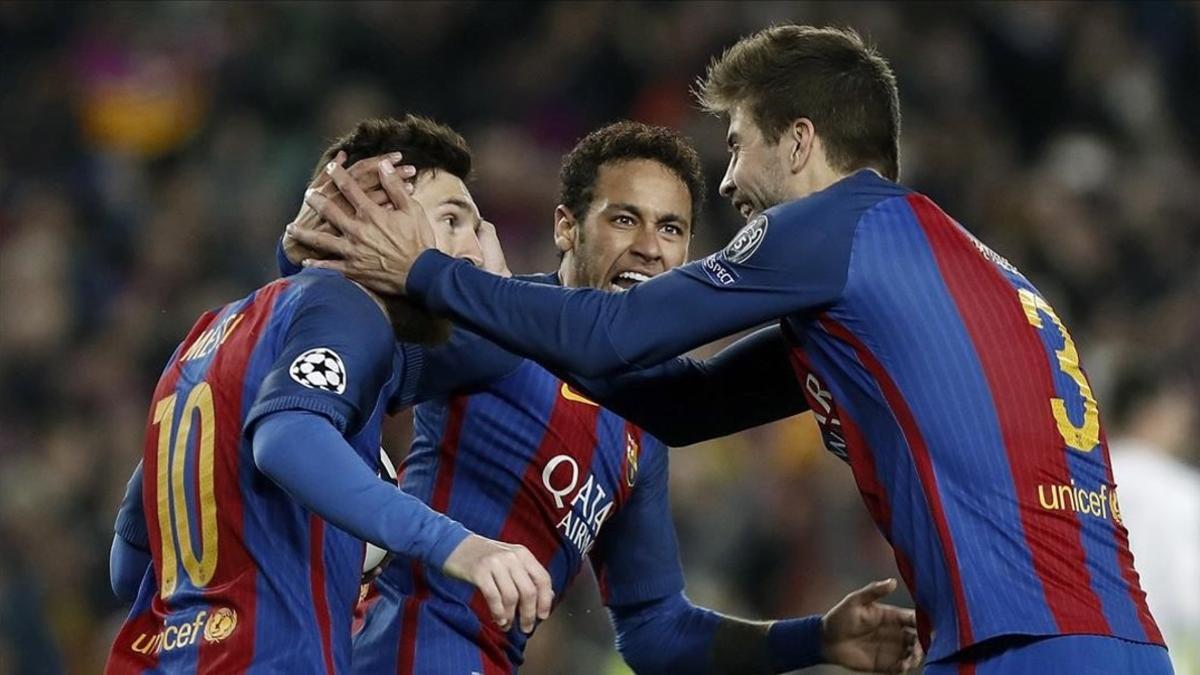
[
  {"x": 685, "y": 401},
  {"x": 587, "y": 331},
  {"x": 307, "y": 457},
  {"x": 673, "y": 636}
]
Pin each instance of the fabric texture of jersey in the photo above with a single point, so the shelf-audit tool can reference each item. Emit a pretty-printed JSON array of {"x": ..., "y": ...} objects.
[
  {"x": 933, "y": 367},
  {"x": 1086, "y": 654},
  {"x": 525, "y": 459},
  {"x": 243, "y": 578}
]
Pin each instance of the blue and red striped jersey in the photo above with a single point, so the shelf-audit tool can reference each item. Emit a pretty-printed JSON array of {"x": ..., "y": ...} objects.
[
  {"x": 243, "y": 577},
  {"x": 933, "y": 367},
  {"x": 526, "y": 459}
]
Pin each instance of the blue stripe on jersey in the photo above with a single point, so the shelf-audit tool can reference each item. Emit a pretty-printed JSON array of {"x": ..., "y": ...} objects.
[
  {"x": 924, "y": 344},
  {"x": 1089, "y": 471},
  {"x": 912, "y": 526}
]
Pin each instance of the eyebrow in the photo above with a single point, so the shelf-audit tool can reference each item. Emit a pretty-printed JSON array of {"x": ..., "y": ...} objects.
[
  {"x": 664, "y": 218},
  {"x": 459, "y": 202}
]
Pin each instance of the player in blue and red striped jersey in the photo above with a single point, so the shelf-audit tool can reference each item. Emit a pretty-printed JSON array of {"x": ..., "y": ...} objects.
[
  {"x": 933, "y": 366},
  {"x": 513, "y": 452},
  {"x": 241, "y": 537}
]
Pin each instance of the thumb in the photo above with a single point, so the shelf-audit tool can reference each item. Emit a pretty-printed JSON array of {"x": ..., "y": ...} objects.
[{"x": 873, "y": 591}]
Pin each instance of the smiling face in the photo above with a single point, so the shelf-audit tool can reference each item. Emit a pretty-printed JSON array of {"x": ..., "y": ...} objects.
[
  {"x": 638, "y": 225},
  {"x": 755, "y": 179}
]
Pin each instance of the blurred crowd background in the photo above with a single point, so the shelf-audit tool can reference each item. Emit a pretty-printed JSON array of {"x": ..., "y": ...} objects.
[{"x": 150, "y": 155}]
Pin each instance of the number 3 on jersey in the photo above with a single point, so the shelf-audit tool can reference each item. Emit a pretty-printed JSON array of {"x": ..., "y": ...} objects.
[
  {"x": 1082, "y": 437},
  {"x": 173, "y": 458}
]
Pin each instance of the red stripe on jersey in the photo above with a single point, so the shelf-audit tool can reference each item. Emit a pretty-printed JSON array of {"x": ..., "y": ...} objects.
[
  {"x": 443, "y": 483},
  {"x": 1125, "y": 560},
  {"x": 534, "y": 514},
  {"x": 1018, "y": 372},
  {"x": 866, "y": 477},
  {"x": 237, "y": 574},
  {"x": 368, "y": 596},
  {"x": 130, "y": 651},
  {"x": 922, "y": 461},
  {"x": 316, "y": 577},
  {"x": 492, "y": 667},
  {"x": 406, "y": 654}
]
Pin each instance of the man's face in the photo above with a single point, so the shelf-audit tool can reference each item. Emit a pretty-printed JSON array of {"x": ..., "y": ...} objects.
[
  {"x": 452, "y": 211},
  {"x": 754, "y": 180},
  {"x": 638, "y": 225}
]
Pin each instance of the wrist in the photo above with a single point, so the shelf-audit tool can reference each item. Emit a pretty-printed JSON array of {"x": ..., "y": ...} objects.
[
  {"x": 445, "y": 544},
  {"x": 797, "y": 643},
  {"x": 425, "y": 269}
]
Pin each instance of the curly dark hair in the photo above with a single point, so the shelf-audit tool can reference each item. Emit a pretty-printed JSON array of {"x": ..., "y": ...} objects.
[
  {"x": 426, "y": 144},
  {"x": 623, "y": 141}
]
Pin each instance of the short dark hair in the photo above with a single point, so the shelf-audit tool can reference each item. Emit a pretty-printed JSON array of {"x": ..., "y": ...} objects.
[
  {"x": 426, "y": 144},
  {"x": 828, "y": 75},
  {"x": 625, "y": 141}
]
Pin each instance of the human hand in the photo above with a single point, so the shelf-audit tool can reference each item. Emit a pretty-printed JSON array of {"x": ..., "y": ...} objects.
[
  {"x": 509, "y": 577},
  {"x": 493, "y": 255},
  {"x": 307, "y": 219},
  {"x": 378, "y": 245},
  {"x": 862, "y": 634}
]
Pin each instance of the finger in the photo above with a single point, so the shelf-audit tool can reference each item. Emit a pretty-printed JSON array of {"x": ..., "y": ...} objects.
[
  {"x": 873, "y": 591},
  {"x": 508, "y": 590},
  {"x": 491, "y": 595},
  {"x": 325, "y": 243},
  {"x": 352, "y": 192},
  {"x": 363, "y": 172},
  {"x": 380, "y": 197},
  {"x": 545, "y": 586},
  {"x": 527, "y": 603},
  {"x": 393, "y": 184},
  {"x": 333, "y": 213}
]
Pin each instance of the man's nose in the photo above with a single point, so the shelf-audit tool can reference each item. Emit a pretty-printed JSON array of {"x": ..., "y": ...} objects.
[
  {"x": 727, "y": 186},
  {"x": 646, "y": 245}
]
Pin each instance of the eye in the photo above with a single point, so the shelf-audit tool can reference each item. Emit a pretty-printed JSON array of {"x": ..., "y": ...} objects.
[
  {"x": 450, "y": 219},
  {"x": 623, "y": 219},
  {"x": 672, "y": 229}
]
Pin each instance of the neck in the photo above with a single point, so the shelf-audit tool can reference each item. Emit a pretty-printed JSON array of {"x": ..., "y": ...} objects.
[
  {"x": 817, "y": 178},
  {"x": 566, "y": 271}
]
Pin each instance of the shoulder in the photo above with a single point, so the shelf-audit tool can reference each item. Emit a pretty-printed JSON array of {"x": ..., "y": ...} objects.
[
  {"x": 328, "y": 302},
  {"x": 843, "y": 203}
]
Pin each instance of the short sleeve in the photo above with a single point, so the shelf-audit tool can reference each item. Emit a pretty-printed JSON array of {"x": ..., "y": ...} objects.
[
  {"x": 336, "y": 357},
  {"x": 636, "y": 557}
]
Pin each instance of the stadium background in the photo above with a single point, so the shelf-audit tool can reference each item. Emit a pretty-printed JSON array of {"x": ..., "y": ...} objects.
[{"x": 151, "y": 155}]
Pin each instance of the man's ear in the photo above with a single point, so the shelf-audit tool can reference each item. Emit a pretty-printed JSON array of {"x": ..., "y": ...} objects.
[
  {"x": 566, "y": 229},
  {"x": 802, "y": 140}
]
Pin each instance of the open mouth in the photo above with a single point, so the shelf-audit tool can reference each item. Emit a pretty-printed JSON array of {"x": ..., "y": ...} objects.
[
  {"x": 745, "y": 209},
  {"x": 627, "y": 280}
]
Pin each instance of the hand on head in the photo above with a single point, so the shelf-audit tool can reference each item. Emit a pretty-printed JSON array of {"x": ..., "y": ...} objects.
[{"x": 377, "y": 244}]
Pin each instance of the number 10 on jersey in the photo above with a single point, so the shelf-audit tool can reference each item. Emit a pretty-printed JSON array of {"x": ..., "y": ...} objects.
[{"x": 174, "y": 455}]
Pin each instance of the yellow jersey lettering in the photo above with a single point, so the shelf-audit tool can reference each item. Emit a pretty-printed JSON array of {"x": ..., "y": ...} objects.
[{"x": 1082, "y": 437}]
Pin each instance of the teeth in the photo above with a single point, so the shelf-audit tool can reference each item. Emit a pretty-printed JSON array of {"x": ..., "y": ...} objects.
[{"x": 636, "y": 277}]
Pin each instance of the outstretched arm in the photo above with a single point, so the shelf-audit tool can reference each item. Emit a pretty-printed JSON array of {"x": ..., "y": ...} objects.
[
  {"x": 671, "y": 635},
  {"x": 800, "y": 263},
  {"x": 684, "y": 401}
]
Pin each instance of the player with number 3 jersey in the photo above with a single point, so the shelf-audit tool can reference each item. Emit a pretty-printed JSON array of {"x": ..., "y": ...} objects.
[{"x": 935, "y": 369}]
